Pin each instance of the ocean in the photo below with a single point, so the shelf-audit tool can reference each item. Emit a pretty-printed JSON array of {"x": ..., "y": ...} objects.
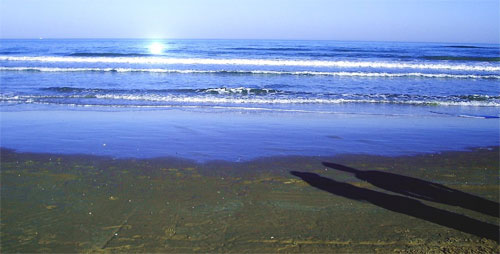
[{"x": 238, "y": 100}]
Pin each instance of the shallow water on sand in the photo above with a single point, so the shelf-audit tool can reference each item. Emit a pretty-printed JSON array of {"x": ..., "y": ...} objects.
[{"x": 233, "y": 135}]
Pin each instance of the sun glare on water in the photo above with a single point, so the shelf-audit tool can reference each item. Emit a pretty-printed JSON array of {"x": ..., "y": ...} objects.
[{"x": 156, "y": 48}]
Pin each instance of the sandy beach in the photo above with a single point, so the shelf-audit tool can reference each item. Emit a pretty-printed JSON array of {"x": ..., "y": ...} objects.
[{"x": 446, "y": 202}]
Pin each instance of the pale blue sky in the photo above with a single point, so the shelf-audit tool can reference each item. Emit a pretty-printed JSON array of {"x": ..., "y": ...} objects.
[{"x": 368, "y": 20}]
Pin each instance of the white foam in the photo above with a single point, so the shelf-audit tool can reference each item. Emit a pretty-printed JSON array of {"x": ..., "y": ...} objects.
[
  {"x": 257, "y": 72},
  {"x": 224, "y": 100},
  {"x": 255, "y": 62},
  {"x": 242, "y": 100},
  {"x": 238, "y": 90}
]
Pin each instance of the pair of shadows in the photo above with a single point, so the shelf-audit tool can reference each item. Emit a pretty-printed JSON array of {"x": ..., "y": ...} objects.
[{"x": 416, "y": 188}]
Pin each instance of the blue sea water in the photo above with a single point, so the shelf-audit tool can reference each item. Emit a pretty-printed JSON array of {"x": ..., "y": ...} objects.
[{"x": 242, "y": 99}]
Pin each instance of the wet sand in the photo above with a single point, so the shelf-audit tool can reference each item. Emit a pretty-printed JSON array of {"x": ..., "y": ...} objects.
[{"x": 446, "y": 202}]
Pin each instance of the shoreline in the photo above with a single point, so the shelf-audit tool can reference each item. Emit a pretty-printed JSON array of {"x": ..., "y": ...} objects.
[
  {"x": 81, "y": 203},
  {"x": 261, "y": 159}
]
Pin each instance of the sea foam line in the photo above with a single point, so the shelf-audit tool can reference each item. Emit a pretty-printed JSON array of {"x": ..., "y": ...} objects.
[
  {"x": 255, "y": 101},
  {"x": 218, "y": 100},
  {"x": 256, "y": 72},
  {"x": 255, "y": 62}
]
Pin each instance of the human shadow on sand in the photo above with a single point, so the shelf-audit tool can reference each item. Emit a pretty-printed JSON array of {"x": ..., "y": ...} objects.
[
  {"x": 402, "y": 205},
  {"x": 421, "y": 189}
]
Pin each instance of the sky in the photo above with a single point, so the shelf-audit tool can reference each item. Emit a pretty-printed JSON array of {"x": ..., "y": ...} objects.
[{"x": 476, "y": 21}]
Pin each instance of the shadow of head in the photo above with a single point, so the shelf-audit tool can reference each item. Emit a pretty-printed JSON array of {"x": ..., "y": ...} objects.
[
  {"x": 304, "y": 174},
  {"x": 341, "y": 167}
]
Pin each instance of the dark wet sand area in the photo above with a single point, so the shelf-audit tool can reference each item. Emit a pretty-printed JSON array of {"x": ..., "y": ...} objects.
[{"x": 433, "y": 203}]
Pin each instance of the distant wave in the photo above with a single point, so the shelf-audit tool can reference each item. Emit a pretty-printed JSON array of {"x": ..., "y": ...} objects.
[
  {"x": 257, "y": 72},
  {"x": 156, "y": 99},
  {"x": 463, "y": 58},
  {"x": 107, "y": 54},
  {"x": 8, "y": 52},
  {"x": 465, "y": 47},
  {"x": 270, "y": 49},
  {"x": 254, "y": 62}
]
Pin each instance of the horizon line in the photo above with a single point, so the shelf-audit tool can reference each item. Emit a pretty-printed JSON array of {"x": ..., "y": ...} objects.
[{"x": 248, "y": 39}]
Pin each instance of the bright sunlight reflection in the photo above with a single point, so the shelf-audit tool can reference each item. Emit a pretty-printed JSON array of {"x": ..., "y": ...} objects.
[{"x": 156, "y": 48}]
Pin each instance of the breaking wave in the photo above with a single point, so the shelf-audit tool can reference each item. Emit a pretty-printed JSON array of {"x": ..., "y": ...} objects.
[
  {"x": 204, "y": 99},
  {"x": 215, "y": 90},
  {"x": 256, "y": 62},
  {"x": 257, "y": 72}
]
